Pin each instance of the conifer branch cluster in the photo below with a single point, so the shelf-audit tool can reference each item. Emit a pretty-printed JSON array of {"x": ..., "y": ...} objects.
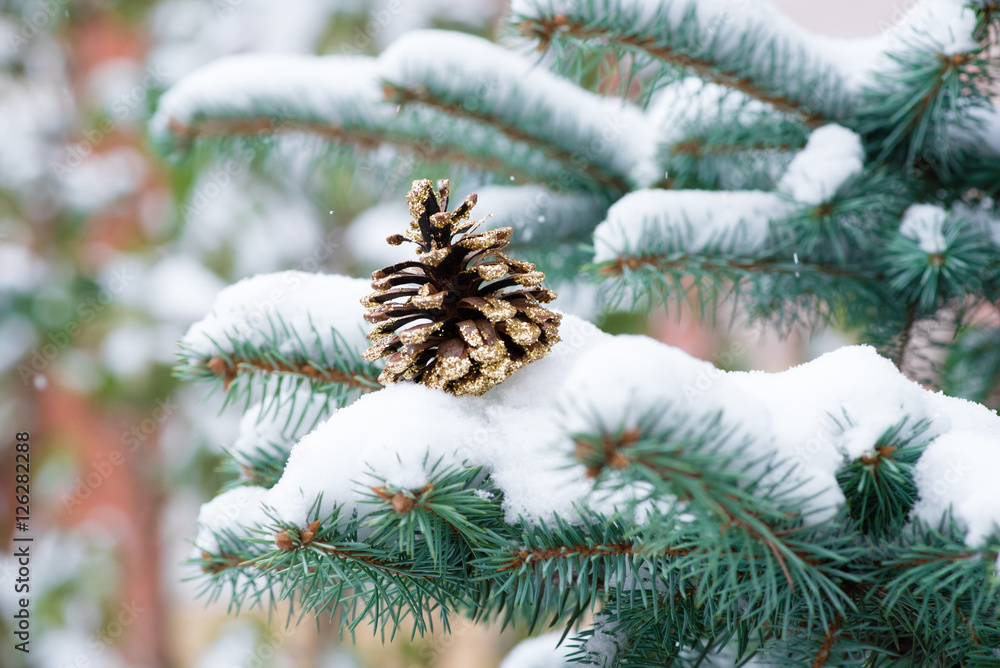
[{"x": 482, "y": 452}]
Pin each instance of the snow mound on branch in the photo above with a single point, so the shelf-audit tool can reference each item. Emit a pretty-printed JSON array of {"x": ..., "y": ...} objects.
[
  {"x": 832, "y": 155},
  {"x": 691, "y": 220},
  {"x": 815, "y": 417},
  {"x": 322, "y": 89},
  {"x": 959, "y": 470},
  {"x": 924, "y": 223},
  {"x": 308, "y": 305},
  {"x": 942, "y": 25},
  {"x": 596, "y": 129},
  {"x": 401, "y": 432},
  {"x": 237, "y": 511},
  {"x": 540, "y": 652}
]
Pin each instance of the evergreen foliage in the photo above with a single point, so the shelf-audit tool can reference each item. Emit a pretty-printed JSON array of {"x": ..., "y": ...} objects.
[{"x": 730, "y": 561}]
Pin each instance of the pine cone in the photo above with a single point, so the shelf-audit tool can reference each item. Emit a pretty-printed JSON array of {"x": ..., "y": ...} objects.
[{"x": 445, "y": 320}]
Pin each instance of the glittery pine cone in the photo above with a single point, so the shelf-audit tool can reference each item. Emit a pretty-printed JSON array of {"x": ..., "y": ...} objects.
[{"x": 447, "y": 319}]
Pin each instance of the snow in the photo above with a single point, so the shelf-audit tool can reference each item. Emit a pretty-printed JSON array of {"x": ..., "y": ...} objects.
[
  {"x": 692, "y": 220},
  {"x": 308, "y": 304},
  {"x": 190, "y": 33},
  {"x": 102, "y": 179},
  {"x": 832, "y": 155},
  {"x": 619, "y": 382},
  {"x": 959, "y": 470},
  {"x": 539, "y": 652},
  {"x": 365, "y": 236},
  {"x": 986, "y": 215},
  {"x": 694, "y": 102},
  {"x": 237, "y": 510},
  {"x": 175, "y": 288},
  {"x": 815, "y": 417},
  {"x": 17, "y": 335},
  {"x": 534, "y": 211},
  {"x": 129, "y": 349},
  {"x": 275, "y": 425},
  {"x": 607, "y": 642},
  {"x": 938, "y": 25},
  {"x": 329, "y": 89},
  {"x": 924, "y": 223},
  {"x": 23, "y": 271},
  {"x": 402, "y": 431},
  {"x": 807, "y": 402},
  {"x": 230, "y": 211},
  {"x": 606, "y": 131},
  {"x": 34, "y": 117}
]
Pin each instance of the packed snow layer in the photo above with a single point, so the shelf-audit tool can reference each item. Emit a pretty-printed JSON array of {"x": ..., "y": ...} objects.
[
  {"x": 924, "y": 223},
  {"x": 691, "y": 220},
  {"x": 293, "y": 307},
  {"x": 832, "y": 155},
  {"x": 815, "y": 417},
  {"x": 601, "y": 130},
  {"x": 401, "y": 431}
]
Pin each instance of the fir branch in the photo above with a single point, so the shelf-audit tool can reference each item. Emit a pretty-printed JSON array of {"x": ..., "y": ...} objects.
[
  {"x": 364, "y": 141},
  {"x": 699, "y": 148},
  {"x": 916, "y": 109},
  {"x": 829, "y": 638},
  {"x": 667, "y": 263},
  {"x": 972, "y": 368},
  {"x": 593, "y": 171},
  {"x": 560, "y": 27},
  {"x": 879, "y": 487},
  {"x": 229, "y": 367}
]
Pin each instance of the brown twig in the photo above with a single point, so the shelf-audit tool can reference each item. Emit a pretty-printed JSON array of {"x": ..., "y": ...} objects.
[
  {"x": 767, "y": 265},
  {"x": 823, "y": 655},
  {"x": 697, "y": 148},
  {"x": 363, "y": 140},
  {"x": 522, "y": 557},
  {"x": 222, "y": 367}
]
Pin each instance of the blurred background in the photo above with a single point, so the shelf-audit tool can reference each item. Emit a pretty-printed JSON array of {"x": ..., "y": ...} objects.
[{"x": 108, "y": 254}]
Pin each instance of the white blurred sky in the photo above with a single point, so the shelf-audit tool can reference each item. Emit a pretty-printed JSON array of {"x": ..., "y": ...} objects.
[{"x": 845, "y": 18}]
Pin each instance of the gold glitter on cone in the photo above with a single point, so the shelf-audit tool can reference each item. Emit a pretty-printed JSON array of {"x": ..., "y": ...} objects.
[{"x": 447, "y": 319}]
